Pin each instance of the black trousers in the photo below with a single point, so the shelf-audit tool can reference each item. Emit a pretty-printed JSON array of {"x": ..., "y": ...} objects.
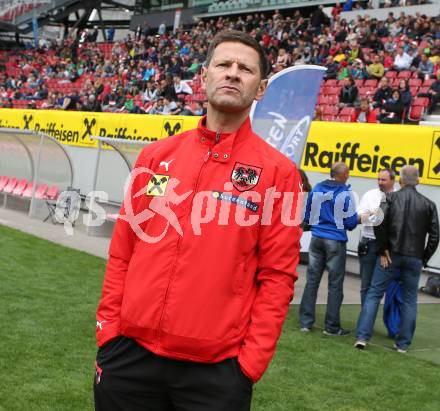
[{"x": 130, "y": 378}]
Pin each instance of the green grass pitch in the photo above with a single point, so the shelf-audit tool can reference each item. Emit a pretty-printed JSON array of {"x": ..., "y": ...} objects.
[{"x": 48, "y": 297}]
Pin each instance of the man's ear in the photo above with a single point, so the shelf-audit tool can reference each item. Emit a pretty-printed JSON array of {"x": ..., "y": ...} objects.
[
  {"x": 261, "y": 89},
  {"x": 203, "y": 77}
]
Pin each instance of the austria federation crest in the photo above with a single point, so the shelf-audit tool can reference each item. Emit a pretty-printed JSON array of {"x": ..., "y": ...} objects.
[{"x": 245, "y": 177}]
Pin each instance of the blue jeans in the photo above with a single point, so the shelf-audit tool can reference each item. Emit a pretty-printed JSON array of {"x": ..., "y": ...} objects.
[
  {"x": 409, "y": 268},
  {"x": 330, "y": 254},
  {"x": 367, "y": 263}
]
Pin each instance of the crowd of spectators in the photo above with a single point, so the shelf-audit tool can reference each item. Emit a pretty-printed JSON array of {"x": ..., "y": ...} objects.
[{"x": 159, "y": 73}]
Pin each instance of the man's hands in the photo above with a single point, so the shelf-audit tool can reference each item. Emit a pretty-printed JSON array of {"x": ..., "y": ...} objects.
[{"x": 385, "y": 260}]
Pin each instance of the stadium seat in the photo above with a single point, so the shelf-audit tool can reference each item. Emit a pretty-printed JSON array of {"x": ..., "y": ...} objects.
[
  {"x": 424, "y": 89},
  {"x": 359, "y": 82},
  {"x": 331, "y": 83},
  {"x": 330, "y": 110},
  {"x": 20, "y": 187},
  {"x": 370, "y": 83},
  {"x": 41, "y": 190},
  {"x": 405, "y": 74},
  {"x": 416, "y": 113},
  {"x": 347, "y": 111},
  {"x": 3, "y": 181},
  {"x": 428, "y": 82},
  {"x": 333, "y": 91},
  {"x": 344, "y": 118},
  {"x": 415, "y": 82},
  {"x": 421, "y": 101},
  {"x": 9, "y": 187},
  {"x": 391, "y": 74},
  {"x": 333, "y": 99},
  {"x": 52, "y": 193},
  {"x": 328, "y": 117},
  {"x": 414, "y": 91}
]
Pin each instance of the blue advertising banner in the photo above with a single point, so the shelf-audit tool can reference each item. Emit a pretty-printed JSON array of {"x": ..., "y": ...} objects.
[{"x": 283, "y": 116}]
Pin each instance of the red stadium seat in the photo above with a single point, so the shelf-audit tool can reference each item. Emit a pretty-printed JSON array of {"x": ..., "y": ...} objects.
[
  {"x": 421, "y": 101},
  {"x": 27, "y": 193},
  {"x": 3, "y": 181},
  {"x": 10, "y": 186},
  {"x": 359, "y": 82},
  {"x": 428, "y": 82},
  {"x": 330, "y": 110},
  {"x": 20, "y": 187},
  {"x": 370, "y": 83},
  {"x": 41, "y": 190},
  {"x": 405, "y": 74},
  {"x": 391, "y": 74},
  {"x": 424, "y": 89},
  {"x": 414, "y": 91},
  {"x": 333, "y": 99},
  {"x": 328, "y": 118},
  {"x": 52, "y": 193},
  {"x": 333, "y": 91},
  {"x": 344, "y": 118},
  {"x": 347, "y": 111},
  {"x": 331, "y": 83},
  {"x": 415, "y": 82},
  {"x": 416, "y": 113}
]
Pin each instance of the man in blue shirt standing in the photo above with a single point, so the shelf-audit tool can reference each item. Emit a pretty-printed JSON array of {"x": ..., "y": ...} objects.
[{"x": 330, "y": 211}]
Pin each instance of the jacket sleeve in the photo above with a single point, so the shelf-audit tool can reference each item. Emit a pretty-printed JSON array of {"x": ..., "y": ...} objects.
[
  {"x": 381, "y": 231},
  {"x": 350, "y": 223},
  {"x": 433, "y": 235},
  {"x": 278, "y": 256},
  {"x": 120, "y": 251}
]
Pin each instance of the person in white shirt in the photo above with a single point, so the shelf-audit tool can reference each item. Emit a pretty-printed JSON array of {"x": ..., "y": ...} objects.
[
  {"x": 369, "y": 216},
  {"x": 401, "y": 60},
  {"x": 182, "y": 87},
  {"x": 168, "y": 106}
]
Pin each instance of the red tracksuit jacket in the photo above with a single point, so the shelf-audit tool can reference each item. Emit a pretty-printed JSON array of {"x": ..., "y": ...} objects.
[{"x": 222, "y": 289}]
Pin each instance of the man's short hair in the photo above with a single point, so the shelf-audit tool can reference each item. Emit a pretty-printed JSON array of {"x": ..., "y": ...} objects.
[
  {"x": 235, "y": 36},
  {"x": 409, "y": 175},
  {"x": 338, "y": 169},
  {"x": 390, "y": 172}
]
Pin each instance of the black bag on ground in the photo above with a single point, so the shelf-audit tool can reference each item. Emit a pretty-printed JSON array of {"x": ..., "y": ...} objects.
[{"x": 432, "y": 286}]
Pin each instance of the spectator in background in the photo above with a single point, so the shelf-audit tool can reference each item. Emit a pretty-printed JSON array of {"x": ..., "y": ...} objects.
[
  {"x": 182, "y": 87},
  {"x": 169, "y": 106},
  {"x": 406, "y": 240},
  {"x": 425, "y": 68},
  {"x": 343, "y": 72},
  {"x": 369, "y": 217},
  {"x": 401, "y": 60},
  {"x": 328, "y": 248},
  {"x": 405, "y": 93},
  {"x": 332, "y": 68},
  {"x": 383, "y": 93},
  {"x": 92, "y": 104},
  {"x": 376, "y": 70},
  {"x": 149, "y": 72},
  {"x": 364, "y": 114},
  {"x": 348, "y": 96},
  {"x": 392, "y": 111},
  {"x": 150, "y": 93},
  {"x": 434, "y": 93}
]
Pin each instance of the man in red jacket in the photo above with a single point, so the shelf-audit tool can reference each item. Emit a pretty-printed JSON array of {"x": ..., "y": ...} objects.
[{"x": 203, "y": 257}]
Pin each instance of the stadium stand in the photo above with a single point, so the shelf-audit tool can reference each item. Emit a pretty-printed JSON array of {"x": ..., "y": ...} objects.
[{"x": 160, "y": 74}]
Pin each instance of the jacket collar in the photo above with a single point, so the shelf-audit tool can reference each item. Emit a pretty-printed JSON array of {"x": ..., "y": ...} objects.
[{"x": 221, "y": 144}]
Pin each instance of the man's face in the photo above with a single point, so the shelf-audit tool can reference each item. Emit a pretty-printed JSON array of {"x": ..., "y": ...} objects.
[
  {"x": 384, "y": 83},
  {"x": 233, "y": 80},
  {"x": 384, "y": 181}
]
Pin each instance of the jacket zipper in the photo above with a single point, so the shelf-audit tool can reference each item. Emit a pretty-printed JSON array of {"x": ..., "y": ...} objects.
[{"x": 179, "y": 241}]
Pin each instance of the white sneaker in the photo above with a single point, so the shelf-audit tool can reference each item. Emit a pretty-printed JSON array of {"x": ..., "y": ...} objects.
[
  {"x": 400, "y": 350},
  {"x": 305, "y": 329},
  {"x": 360, "y": 344}
]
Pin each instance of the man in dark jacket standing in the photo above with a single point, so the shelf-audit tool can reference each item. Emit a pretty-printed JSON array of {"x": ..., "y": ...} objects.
[
  {"x": 408, "y": 218},
  {"x": 330, "y": 211}
]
